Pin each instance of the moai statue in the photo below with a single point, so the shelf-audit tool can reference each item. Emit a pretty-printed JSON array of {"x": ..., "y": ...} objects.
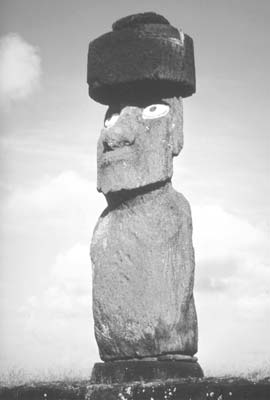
[{"x": 142, "y": 253}]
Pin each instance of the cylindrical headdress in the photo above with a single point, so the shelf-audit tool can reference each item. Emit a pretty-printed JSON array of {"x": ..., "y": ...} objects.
[{"x": 142, "y": 54}]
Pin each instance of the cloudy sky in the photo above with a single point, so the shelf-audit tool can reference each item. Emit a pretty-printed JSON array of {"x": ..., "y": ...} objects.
[{"x": 49, "y": 204}]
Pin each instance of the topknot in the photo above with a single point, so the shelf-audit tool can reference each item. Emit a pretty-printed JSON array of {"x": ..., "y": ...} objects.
[{"x": 134, "y": 20}]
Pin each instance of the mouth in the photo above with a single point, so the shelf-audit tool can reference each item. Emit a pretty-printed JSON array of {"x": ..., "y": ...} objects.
[
  {"x": 115, "y": 154},
  {"x": 107, "y": 147}
]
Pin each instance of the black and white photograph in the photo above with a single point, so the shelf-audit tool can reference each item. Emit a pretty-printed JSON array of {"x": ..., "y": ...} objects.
[{"x": 135, "y": 200}]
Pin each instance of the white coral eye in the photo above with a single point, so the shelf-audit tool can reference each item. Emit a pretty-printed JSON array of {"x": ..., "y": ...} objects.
[
  {"x": 109, "y": 122},
  {"x": 155, "y": 111}
]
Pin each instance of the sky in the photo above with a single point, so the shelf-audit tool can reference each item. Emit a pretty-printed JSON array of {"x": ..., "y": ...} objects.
[{"x": 48, "y": 199}]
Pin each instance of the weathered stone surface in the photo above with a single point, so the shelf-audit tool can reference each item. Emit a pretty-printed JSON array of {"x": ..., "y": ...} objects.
[
  {"x": 136, "y": 152},
  {"x": 143, "y": 52},
  {"x": 143, "y": 371},
  {"x": 62, "y": 390},
  {"x": 177, "y": 357},
  {"x": 142, "y": 253},
  {"x": 183, "y": 389},
  {"x": 143, "y": 270}
]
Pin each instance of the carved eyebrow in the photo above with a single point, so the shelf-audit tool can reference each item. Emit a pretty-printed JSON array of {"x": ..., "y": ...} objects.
[
  {"x": 157, "y": 102},
  {"x": 142, "y": 103},
  {"x": 116, "y": 108},
  {"x": 112, "y": 109}
]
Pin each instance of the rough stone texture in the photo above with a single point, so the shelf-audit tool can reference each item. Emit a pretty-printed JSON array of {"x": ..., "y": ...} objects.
[
  {"x": 142, "y": 48},
  {"x": 177, "y": 357},
  {"x": 142, "y": 253},
  {"x": 136, "y": 152},
  {"x": 182, "y": 389},
  {"x": 143, "y": 371},
  {"x": 143, "y": 266},
  {"x": 68, "y": 390}
]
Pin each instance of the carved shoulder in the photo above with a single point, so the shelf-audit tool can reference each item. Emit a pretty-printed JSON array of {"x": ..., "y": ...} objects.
[
  {"x": 182, "y": 203},
  {"x": 101, "y": 228}
]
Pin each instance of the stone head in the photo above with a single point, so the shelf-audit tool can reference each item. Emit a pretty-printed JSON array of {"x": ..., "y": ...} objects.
[
  {"x": 138, "y": 142},
  {"x": 141, "y": 69}
]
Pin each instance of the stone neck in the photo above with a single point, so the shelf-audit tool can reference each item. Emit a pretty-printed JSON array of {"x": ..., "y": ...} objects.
[{"x": 134, "y": 197}]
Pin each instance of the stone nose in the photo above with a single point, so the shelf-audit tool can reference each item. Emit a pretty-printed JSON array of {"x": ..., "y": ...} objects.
[{"x": 117, "y": 136}]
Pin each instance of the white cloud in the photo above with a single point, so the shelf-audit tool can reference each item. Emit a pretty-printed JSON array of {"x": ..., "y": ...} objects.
[
  {"x": 232, "y": 281},
  {"x": 55, "y": 323},
  {"x": 217, "y": 233},
  {"x": 51, "y": 193},
  {"x": 232, "y": 292},
  {"x": 66, "y": 202},
  {"x": 58, "y": 324},
  {"x": 20, "y": 68},
  {"x": 232, "y": 255}
]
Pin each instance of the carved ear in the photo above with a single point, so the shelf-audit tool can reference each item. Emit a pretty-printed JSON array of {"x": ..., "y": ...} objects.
[{"x": 177, "y": 128}]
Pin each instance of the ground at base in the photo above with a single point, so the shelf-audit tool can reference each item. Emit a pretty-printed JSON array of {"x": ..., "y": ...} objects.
[{"x": 183, "y": 389}]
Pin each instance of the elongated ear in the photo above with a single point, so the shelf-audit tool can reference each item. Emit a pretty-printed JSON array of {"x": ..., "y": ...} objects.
[{"x": 177, "y": 126}]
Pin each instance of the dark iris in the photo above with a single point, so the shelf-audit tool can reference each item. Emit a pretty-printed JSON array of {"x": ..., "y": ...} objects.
[{"x": 153, "y": 108}]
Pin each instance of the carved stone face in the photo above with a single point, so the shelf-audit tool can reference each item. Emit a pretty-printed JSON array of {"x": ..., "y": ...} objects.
[{"x": 138, "y": 143}]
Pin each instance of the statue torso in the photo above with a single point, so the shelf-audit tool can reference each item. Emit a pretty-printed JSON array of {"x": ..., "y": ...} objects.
[{"x": 143, "y": 266}]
